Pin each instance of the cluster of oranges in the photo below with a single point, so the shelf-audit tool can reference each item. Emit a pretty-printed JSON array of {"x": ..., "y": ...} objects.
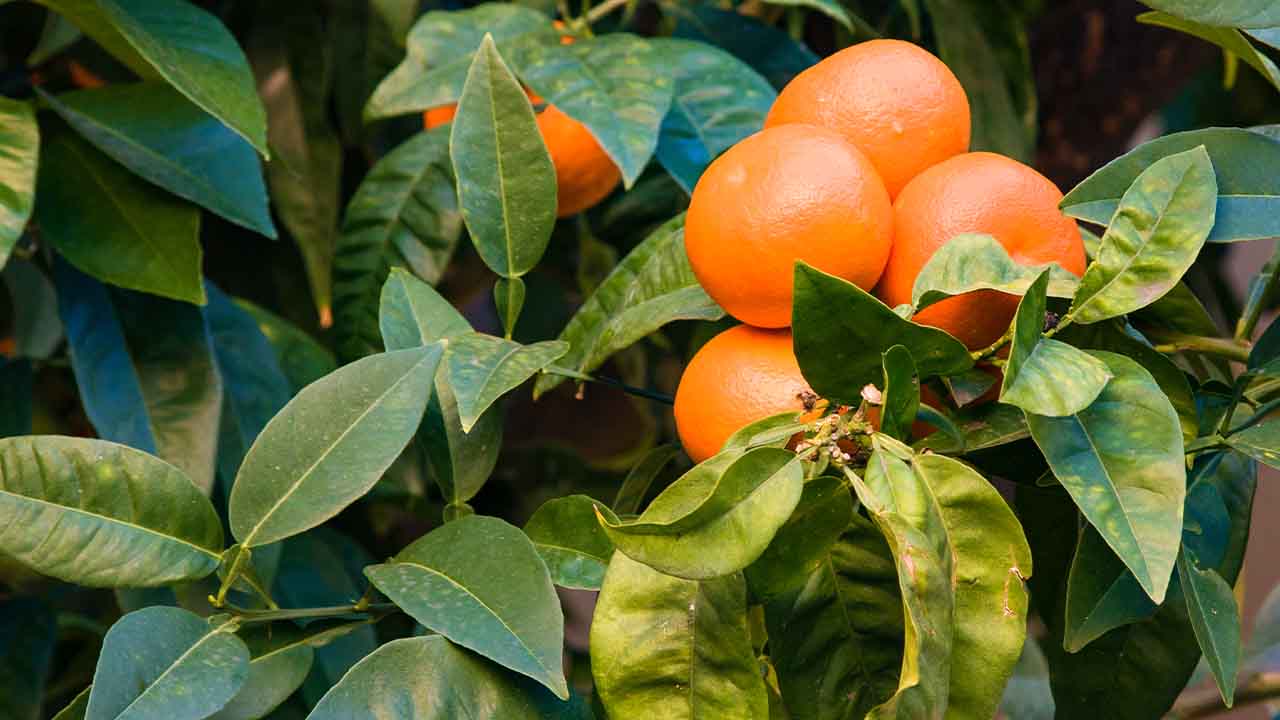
[{"x": 863, "y": 171}]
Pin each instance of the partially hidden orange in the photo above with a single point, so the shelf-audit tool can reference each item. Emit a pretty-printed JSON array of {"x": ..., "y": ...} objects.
[
  {"x": 742, "y": 375},
  {"x": 788, "y": 193},
  {"x": 894, "y": 100},
  {"x": 977, "y": 193}
]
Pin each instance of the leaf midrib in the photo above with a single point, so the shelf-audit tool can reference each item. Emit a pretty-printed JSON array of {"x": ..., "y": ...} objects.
[{"x": 203, "y": 639}]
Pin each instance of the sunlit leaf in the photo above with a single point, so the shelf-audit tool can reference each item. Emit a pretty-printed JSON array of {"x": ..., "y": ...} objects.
[
  {"x": 979, "y": 262},
  {"x": 20, "y": 138}
]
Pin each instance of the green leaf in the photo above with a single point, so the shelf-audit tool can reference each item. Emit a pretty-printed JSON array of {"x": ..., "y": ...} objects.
[
  {"x": 672, "y": 648},
  {"x": 76, "y": 708},
  {"x": 1157, "y": 232},
  {"x": 805, "y": 541},
  {"x": 1230, "y": 13},
  {"x": 1260, "y": 442},
  {"x": 966, "y": 31},
  {"x": 1215, "y": 618},
  {"x": 16, "y": 381},
  {"x": 901, "y": 393},
  {"x": 480, "y": 582},
  {"x": 699, "y": 530},
  {"x": 57, "y": 35},
  {"x": 508, "y": 300},
  {"x": 458, "y": 685},
  {"x": 841, "y": 332},
  {"x": 166, "y": 662},
  {"x": 483, "y": 368},
  {"x": 73, "y": 515},
  {"x": 506, "y": 182},
  {"x": 303, "y": 359},
  {"x": 985, "y": 426},
  {"x": 404, "y": 214},
  {"x": 899, "y": 503},
  {"x": 114, "y": 225},
  {"x": 369, "y": 45},
  {"x": 1248, "y": 194},
  {"x": 836, "y": 633},
  {"x": 37, "y": 329},
  {"x": 773, "y": 431},
  {"x": 830, "y": 8},
  {"x": 717, "y": 101},
  {"x": 188, "y": 47},
  {"x": 1046, "y": 376},
  {"x": 571, "y": 541},
  {"x": 1121, "y": 460},
  {"x": 652, "y": 286},
  {"x": 635, "y": 487},
  {"x": 20, "y": 138},
  {"x": 979, "y": 262},
  {"x": 155, "y": 132},
  {"x": 412, "y": 314},
  {"x": 1102, "y": 594},
  {"x": 618, "y": 85},
  {"x": 28, "y": 634},
  {"x": 770, "y": 50},
  {"x": 441, "y": 46},
  {"x": 330, "y": 444}
]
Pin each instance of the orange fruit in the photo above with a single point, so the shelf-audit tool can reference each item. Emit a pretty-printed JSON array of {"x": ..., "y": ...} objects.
[
  {"x": 977, "y": 193},
  {"x": 793, "y": 192},
  {"x": 742, "y": 375},
  {"x": 894, "y": 100}
]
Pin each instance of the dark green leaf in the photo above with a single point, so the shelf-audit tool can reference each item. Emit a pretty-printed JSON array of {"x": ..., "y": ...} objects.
[
  {"x": 506, "y": 182},
  {"x": 16, "y": 378},
  {"x": 370, "y": 44},
  {"x": 830, "y": 8},
  {"x": 508, "y": 300},
  {"x": 20, "y": 138},
  {"x": 76, "y": 708},
  {"x": 618, "y": 85},
  {"x": 1157, "y": 232},
  {"x": 571, "y": 542},
  {"x": 483, "y": 368},
  {"x": 1102, "y": 594},
  {"x": 37, "y": 329},
  {"x": 672, "y": 648},
  {"x": 901, "y": 393},
  {"x": 1215, "y": 618},
  {"x": 1231, "y": 13},
  {"x": 480, "y": 582},
  {"x": 771, "y": 51},
  {"x": 1260, "y": 442},
  {"x": 28, "y": 633},
  {"x": 805, "y": 542},
  {"x": 71, "y": 503},
  {"x": 412, "y": 314},
  {"x": 115, "y": 226},
  {"x": 303, "y": 359},
  {"x": 985, "y": 426},
  {"x": 155, "y": 132},
  {"x": 166, "y": 662},
  {"x": 188, "y": 47},
  {"x": 652, "y": 286},
  {"x": 1248, "y": 194},
  {"x": 979, "y": 262},
  {"x": 57, "y": 35},
  {"x": 404, "y": 214},
  {"x": 1027, "y": 696},
  {"x": 1046, "y": 376},
  {"x": 717, "y": 101},
  {"x": 841, "y": 331},
  {"x": 969, "y": 385},
  {"x": 636, "y": 486},
  {"x": 441, "y": 46},
  {"x": 713, "y": 523},
  {"x": 330, "y": 444},
  {"x": 1121, "y": 460}
]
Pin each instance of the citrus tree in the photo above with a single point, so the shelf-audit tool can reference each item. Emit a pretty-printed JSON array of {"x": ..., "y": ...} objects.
[{"x": 340, "y": 338}]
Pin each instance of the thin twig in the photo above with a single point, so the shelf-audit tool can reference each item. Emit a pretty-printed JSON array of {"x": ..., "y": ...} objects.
[
  {"x": 603, "y": 9},
  {"x": 612, "y": 382},
  {"x": 1261, "y": 688}
]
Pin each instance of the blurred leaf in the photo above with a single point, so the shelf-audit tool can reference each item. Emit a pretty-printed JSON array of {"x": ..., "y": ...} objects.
[
  {"x": 967, "y": 33},
  {"x": 16, "y": 378},
  {"x": 483, "y": 368},
  {"x": 155, "y": 132},
  {"x": 404, "y": 214},
  {"x": 28, "y": 634},
  {"x": 480, "y": 582},
  {"x": 618, "y": 85},
  {"x": 635, "y": 487},
  {"x": 506, "y": 182},
  {"x": 20, "y": 138},
  {"x": 188, "y": 47},
  {"x": 672, "y": 648},
  {"x": 37, "y": 329},
  {"x": 166, "y": 662},
  {"x": 441, "y": 46},
  {"x": 145, "y": 371},
  {"x": 57, "y": 35},
  {"x": 717, "y": 101},
  {"x": 772, "y": 52},
  {"x": 371, "y": 43},
  {"x": 1157, "y": 232},
  {"x": 1270, "y": 36},
  {"x": 830, "y": 8},
  {"x": 1102, "y": 594},
  {"x": 1027, "y": 696},
  {"x": 1248, "y": 193},
  {"x": 1121, "y": 460},
  {"x": 716, "y": 521},
  {"x": 84, "y": 527},
  {"x": 571, "y": 541},
  {"x": 114, "y": 225},
  {"x": 459, "y": 684},
  {"x": 652, "y": 286},
  {"x": 330, "y": 444},
  {"x": 979, "y": 262},
  {"x": 841, "y": 331},
  {"x": 901, "y": 393},
  {"x": 1231, "y": 13},
  {"x": 1046, "y": 376},
  {"x": 293, "y": 63},
  {"x": 301, "y": 357},
  {"x": 1261, "y": 294}
]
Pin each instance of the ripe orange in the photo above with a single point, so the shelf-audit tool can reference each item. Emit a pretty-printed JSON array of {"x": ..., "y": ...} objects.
[
  {"x": 742, "y": 375},
  {"x": 585, "y": 174},
  {"x": 977, "y": 193},
  {"x": 793, "y": 192},
  {"x": 894, "y": 100}
]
